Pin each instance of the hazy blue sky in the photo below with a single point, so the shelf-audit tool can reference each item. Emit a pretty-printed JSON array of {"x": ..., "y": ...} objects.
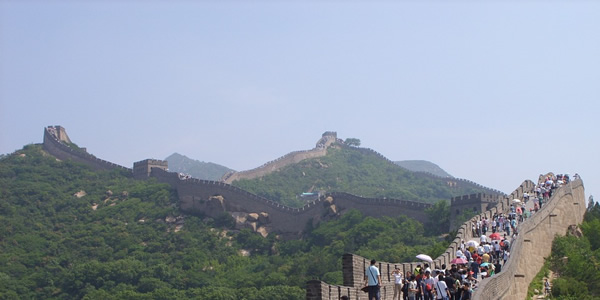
[{"x": 493, "y": 92}]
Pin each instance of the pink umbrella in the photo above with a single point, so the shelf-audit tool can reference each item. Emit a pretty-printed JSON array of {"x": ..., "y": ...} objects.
[
  {"x": 495, "y": 236},
  {"x": 458, "y": 260}
]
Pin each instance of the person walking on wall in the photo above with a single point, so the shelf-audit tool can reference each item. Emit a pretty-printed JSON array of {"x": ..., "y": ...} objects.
[
  {"x": 373, "y": 281},
  {"x": 441, "y": 289},
  {"x": 427, "y": 286},
  {"x": 413, "y": 288}
]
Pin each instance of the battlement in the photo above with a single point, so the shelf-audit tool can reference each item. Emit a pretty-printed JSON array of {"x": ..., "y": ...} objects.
[
  {"x": 475, "y": 198},
  {"x": 330, "y": 134},
  {"x": 142, "y": 169},
  {"x": 194, "y": 193},
  {"x": 59, "y": 133},
  {"x": 320, "y": 150},
  {"x": 566, "y": 206},
  {"x": 56, "y": 143}
]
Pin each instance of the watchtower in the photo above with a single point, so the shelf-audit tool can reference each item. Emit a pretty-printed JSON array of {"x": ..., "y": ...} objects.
[
  {"x": 142, "y": 169},
  {"x": 474, "y": 204}
]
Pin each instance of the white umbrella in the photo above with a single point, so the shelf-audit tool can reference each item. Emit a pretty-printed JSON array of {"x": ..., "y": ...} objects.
[
  {"x": 472, "y": 243},
  {"x": 425, "y": 257},
  {"x": 516, "y": 201}
]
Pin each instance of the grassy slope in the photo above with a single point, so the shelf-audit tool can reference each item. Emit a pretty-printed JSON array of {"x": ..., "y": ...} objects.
[
  {"x": 352, "y": 171},
  {"x": 53, "y": 245}
]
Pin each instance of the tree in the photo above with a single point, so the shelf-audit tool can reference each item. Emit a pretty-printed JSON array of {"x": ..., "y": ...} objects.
[
  {"x": 438, "y": 218},
  {"x": 352, "y": 142}
]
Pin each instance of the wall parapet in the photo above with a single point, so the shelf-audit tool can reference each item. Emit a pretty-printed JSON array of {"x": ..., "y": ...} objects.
[
  {"x": 54, "y": 146},
  {"x": 293, "y": 157},
  {"x": 566, "y": 207},
  {"x": 194, "y": 191},
  {"x": 354, "y": 265}
]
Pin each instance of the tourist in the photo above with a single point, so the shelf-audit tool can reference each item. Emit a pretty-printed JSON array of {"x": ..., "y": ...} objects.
[
  {"x": 441, "y": 289},
  {"x": 466, "y": 292},
  {"x": 412, "y": 288},
  {"x": 373, "y": 281},
  {"x": 397, "y": 284},
  {"x": 406, "y": 285},
  {"x": 427, "y": 286},
  {"x": 497, "y": 267}
]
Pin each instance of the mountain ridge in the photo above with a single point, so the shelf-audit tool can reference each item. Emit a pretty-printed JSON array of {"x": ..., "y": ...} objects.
[
  {"x": 423, "y": 166},
  {"x": 198, "y": 169}
]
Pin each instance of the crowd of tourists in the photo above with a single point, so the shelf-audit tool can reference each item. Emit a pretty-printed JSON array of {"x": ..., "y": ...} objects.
[{"x": 475, "y": 260}]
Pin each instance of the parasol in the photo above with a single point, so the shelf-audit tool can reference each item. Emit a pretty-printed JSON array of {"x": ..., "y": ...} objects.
[{"x": 425, "y": 257}]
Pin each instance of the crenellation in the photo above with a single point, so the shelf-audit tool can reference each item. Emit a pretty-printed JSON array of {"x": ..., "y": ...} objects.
[
  {"x": 195, "y": 190},
  {"x": 501, "y": 285},
  {"x": 55, "y": 138}
]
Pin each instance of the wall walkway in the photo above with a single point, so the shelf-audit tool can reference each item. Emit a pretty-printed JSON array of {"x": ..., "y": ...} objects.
[
  {"x": 566, "y": 207},
  {"x": 534, "y": 243},
  {"x": 62, "y": 151}
]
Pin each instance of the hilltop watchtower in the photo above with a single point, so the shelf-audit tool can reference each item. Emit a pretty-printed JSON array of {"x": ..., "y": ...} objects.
[
  {"x": 142, "y": 169},
  {"x": 474, "y": 204},
  {"x": 328, "y": 138},
  {"x": 59, "y": 133}
]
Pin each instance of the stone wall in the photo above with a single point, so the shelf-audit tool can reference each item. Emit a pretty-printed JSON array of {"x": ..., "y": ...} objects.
[
  {"x": 58, "y": 149},
  {"x": 474, "y": 203},
  {"x": 295, "y": 157},
  {"x": 195, "y": 195},
  {"x": 272, "y": 166},
  {"x": 353, "y": 266},
  {"x": 534, "y": 243},
  {"x": 320, "y": 151}
]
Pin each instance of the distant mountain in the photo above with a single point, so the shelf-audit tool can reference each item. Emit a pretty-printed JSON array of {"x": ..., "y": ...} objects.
[
  {"x": 197, "y": 169},
  {"x": 423, "y": 166}
]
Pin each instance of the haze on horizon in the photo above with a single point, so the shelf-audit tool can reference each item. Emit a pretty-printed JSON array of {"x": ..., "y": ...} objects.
[{"x": 492, "y": 92}]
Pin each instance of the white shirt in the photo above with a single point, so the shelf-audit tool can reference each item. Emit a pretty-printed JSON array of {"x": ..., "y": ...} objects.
[
  {"x": 497, "y": 246},
  {"x": 487, "y": 248},
  {"x": 398, "y": 278},
  {"x": 480, "y": 250},
  {"x": 441, "y": 289}
]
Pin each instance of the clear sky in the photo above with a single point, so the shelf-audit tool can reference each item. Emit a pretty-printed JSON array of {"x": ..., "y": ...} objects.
[{"x": 494, "y": 92}]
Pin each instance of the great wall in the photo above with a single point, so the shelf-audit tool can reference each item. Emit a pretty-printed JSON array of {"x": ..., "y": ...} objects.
[
  {"x": 327, "y": 139},
  {"x": 565, "y": 208},
  {"x": 533, "y": 244}
]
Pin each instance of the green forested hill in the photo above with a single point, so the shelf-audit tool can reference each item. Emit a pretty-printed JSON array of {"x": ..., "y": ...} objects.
[
  {"x": 55, "y": 245},
  {"x": 350, "y": 170}
]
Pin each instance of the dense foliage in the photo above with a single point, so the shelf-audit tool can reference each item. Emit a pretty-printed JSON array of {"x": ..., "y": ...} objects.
[
  {"x": 576, "y": 261},
  {"x": 55, "y": 245},
  {"x": 351, "y": 170}
]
